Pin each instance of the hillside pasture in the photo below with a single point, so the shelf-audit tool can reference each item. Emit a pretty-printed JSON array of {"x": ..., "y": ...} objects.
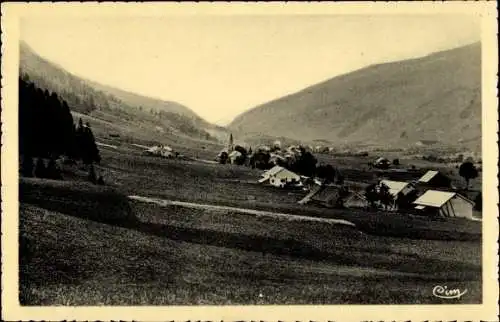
[{"x": 176, "y": 255}]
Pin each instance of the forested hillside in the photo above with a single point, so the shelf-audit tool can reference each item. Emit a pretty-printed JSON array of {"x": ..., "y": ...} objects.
[
  {"x": 47, "y": 130},
  {"x": 84, "y": 96}
]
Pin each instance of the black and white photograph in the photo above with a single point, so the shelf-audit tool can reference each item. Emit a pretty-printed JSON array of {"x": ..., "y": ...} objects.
[{"x": 256, "y": 158}]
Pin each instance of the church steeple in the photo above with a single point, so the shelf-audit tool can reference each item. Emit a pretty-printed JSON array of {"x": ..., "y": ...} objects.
[{"x": 231, "y": 144}]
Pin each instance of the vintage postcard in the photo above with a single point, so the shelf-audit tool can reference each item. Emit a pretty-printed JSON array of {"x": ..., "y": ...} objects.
[{"x": 250, "y": 161}]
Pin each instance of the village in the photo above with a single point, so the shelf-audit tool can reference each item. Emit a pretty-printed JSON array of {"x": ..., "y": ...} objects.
[{"x": 392, "y": 188}]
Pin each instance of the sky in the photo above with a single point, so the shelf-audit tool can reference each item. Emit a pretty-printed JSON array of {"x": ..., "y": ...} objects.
[{"x": 220, "y": 66}]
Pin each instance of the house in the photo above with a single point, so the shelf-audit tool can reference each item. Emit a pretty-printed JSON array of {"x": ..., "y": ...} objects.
[
  {"x": 160, "y": 150},
  {"x": 276, "y": 159},
  {"x": 445, "y": 204},
  {"x": 280, "y": 177},
  {"x": 434, "y": 179},
  {"x": 382, "y": 163},
  {"x": 267, "y": 174},
  {"x": 235, "y": 157}
]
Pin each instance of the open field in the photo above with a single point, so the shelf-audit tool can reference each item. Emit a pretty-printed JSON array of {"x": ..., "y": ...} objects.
[
  {"x": 131, "y": 252},
  {"x": 181, "y": 256}
]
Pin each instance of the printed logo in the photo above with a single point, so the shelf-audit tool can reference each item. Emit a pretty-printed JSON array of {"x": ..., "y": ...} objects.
[{"x": 445, "y": 293}]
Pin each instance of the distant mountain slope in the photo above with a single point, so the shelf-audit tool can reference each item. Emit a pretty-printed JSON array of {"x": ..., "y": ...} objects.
[
  {"x": 85, "y": 96},
  {"x": 434, "y": 98},
  {"x": 146, "y": 103},
  {"x": 77, "y": 92}
]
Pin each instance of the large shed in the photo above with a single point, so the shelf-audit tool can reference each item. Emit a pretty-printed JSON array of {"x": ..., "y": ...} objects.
[{"x": 445, "y": 204}]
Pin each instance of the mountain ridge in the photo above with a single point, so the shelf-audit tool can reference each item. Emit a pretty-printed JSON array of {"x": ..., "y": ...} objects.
[
  {"x": 359, "y": 106},
  {"x": 90, "y": 97},
  {"x": 29, "y": 57}
]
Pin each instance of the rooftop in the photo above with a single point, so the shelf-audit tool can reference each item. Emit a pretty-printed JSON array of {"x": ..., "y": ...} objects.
[
  {"x": 428, "y": 176},
  {"x": 395, "y": 187},
  {"x": 434, "y": 198}
]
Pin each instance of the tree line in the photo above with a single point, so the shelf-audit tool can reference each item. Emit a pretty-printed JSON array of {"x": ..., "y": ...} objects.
[{"x": 47, "y": 131}]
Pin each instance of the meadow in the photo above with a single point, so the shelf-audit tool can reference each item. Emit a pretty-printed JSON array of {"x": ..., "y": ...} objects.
[{"x": 90, "y": 245}]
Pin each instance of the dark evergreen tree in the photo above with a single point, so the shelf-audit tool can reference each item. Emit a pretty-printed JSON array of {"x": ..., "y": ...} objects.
[
  {"x": 27, "y": 166},
  {"x": 223, "y": 157},
  {"x": 45, "y": 123},
  {"x": 92, "y": 176},
  {"x": 90, "y": 147},
  {"x": 326, "y": 172},
  {"x": 478, "y": 202},
  {"x": 468, "y": 171},
  {"x": 371, "y": 195},
  {"x": 304, "y": 163},
  {"x": 40, "y": 170},
  {"x": 384, "y": 196},
  {"x": 46, "y": 130},
  {"x": 53, "y": 172}
]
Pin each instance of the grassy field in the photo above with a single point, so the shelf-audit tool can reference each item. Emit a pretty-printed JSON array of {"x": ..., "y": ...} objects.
[
  {"x": 89, "y": 245},
  {"x": 176, "y": 256}
]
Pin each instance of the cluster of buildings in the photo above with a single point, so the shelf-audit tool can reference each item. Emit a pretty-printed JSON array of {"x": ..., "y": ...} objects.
[
  {"x": 431, "y": 194},
  {"x": 161, "y": 151}
]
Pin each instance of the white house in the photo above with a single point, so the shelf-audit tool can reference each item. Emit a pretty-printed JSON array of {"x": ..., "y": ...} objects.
[
  {"x": 160, "y": 150},
  {"x": 445, "y": 204},
  {"x": 279, "y": 177},
  {"x": 234, "y": 156}
]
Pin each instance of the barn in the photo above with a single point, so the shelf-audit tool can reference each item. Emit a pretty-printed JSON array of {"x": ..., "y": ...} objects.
[
  {"x": 434, "y": 179},
  {"x": 323, "y": 195},
  {"x": 444, "y": 204}
]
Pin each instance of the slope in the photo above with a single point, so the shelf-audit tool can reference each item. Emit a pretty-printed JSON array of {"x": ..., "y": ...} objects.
[
  {"x": 433, "y": 98},
  {"x": 147, "y": 103},
  {"x": 106, "y": 102}
]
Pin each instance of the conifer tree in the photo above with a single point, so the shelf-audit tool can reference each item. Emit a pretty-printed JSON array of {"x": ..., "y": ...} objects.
[
  {"x": 92, "y": 176},
  {"x": 40, "y": 170},
  {"x": 27, "y": 166},
  {"x": 52, "y": 170}
]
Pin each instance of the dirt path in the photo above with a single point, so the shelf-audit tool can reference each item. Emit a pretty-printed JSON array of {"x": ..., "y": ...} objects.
[
  {"x": 106, "y": 145},
  {"x": 140, "y": 146},
  {"x": 257, "y": 213},
  {"x": 206, "y": 161}
]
